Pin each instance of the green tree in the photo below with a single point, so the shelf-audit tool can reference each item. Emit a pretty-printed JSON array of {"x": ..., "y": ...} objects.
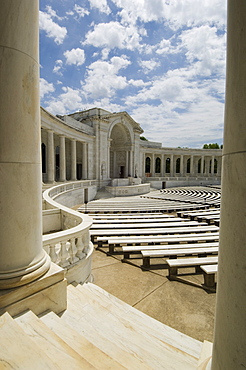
[
  {"x": 143, "y": 138},
  {"x": 211, "y": 146}
]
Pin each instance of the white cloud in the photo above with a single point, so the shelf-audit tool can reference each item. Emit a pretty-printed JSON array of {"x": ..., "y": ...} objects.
[
  {"x": 112, "y": 35},
  {"x": 149, "y": 65},
  {"x": 102, "y": 77},
  {"x": 176, "y": 12},
  {"x": 45, "y": 87},
  {"x": 81, "y": 11},
  {"x": 58, "y": 67},
  {"x": 101, "y": 5},
  {"x": 75, "y": 56},
  {"x": 205, "y": 49},
  {"x": 52, "y": 29},
  {"x": 69, "y": 101}
]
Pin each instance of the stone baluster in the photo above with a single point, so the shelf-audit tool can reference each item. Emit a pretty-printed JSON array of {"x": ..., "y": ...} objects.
[
  {"x": 72, "y": 251},
  {"x": 53, "y": 254},
  {"x": 63, "y": 255},
  {"x": 80, "y": 248}
]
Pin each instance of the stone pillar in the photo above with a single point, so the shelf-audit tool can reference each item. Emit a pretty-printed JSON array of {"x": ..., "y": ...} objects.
[
  {"x": 73, "y": 160},
  {"x": 152, "y": 170},
  {"x": 192, "y": 165},
  {"x": 181, "y": 165},
  {"x": 62, "y": 158},
  {"x": 51, "y": 157},
  {"x": 115, "y": 170},
  {"x": 162, "y": 165},
  {"x": 22, "y": 258},
  {"x": 229, "y": 350},
  {"x": 85, "y": 162},
  {"x": 130, "y": 160},
  {"x": 127, "y": 163},
  {"x": 171, "y": 165},
  {"x": 212, "y": 166},
  {"x": 202, "y": 165}
]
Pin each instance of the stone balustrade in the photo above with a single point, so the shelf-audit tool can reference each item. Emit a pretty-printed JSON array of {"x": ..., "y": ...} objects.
[{"x": 68, "y": 247}]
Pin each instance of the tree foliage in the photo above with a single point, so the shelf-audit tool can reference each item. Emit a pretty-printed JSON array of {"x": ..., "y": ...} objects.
[
  {"x": 212, "y": 146},
  {"x": 143, "y": 138}
]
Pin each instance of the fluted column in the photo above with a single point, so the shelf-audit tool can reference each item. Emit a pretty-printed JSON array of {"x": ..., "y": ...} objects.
[
  {"x": 202, "y": 165},
  {"x": 73, "y": 160},
  {"x": 51, "y": 157},
  {"x": 229, "y": 350},
  {"x": 85, "y": 162},
  {"x": 212, "y": 165},
  {"x": 62, "y": 158},
  {"x": 22, "y": 258},
  {"x": 130, "y": 160}
]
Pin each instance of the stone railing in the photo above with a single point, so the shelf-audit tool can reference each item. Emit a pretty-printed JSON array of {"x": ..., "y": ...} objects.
[{"x": 72, "y": 244}]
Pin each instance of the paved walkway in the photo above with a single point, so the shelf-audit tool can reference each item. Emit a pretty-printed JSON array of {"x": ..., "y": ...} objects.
[{"x": 185, "y": 307}]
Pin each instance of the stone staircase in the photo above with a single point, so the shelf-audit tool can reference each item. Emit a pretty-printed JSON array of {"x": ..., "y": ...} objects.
[{"x": 97, "y": 331}]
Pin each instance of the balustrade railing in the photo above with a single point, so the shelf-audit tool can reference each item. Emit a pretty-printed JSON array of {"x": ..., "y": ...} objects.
[{"x": 72, "y": 244}]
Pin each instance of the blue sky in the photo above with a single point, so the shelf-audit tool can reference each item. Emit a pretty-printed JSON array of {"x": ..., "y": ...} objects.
[{"x": 162, "y": 61}]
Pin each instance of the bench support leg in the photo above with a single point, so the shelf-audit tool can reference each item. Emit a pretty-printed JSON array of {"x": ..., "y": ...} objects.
[
  {"x": 209, "y": 280},
  {"x": 146, "y": 262},
  {"x": 173, "y": 271}
]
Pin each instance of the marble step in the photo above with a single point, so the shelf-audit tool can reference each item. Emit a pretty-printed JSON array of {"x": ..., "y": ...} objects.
[
  {"x": 153, "y": 352},
  {"x": 80, "y": 344},
  {"x": 155, "y": 328},
  {"x": 18, "y": 351},
  {"x": 51, "y": 344},
  {"x": 81, "y": 320},
  {"x": 206, "y": 356}
]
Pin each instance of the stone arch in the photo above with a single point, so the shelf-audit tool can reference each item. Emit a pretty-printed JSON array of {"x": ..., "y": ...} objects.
[{"x": 121, "y": 156}]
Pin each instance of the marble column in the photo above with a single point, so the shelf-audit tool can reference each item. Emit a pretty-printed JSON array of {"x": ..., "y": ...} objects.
[
  {"x": 127, "y": 164},
  {"x": 192, "y": 165},
  {"x": 85, "y": 162},
  {"x": 181, "y": 165},
  {"x": 130, "y": 164},
  {"x": 73, "y": 160},
  {"x": 22, "y": 258},
  {"x": 229, "y": 349},
  {"x": 171, "y": 165},
  {"x": 212, "y": 165},
  {"x": 51, "y": 157},
  {"x": 62, "y": 158}
]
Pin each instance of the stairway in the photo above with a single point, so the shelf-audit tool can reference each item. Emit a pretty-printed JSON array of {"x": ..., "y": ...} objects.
[{"x": 97, "y": 331}]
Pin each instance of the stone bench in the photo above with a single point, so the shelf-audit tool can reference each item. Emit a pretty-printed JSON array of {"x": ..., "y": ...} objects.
[
  {"x": 174, "y": 253},
  {"x": 149, "y": 225},
  {"x": 175, "y": 264},
  {"x": 151, "y": 240},
  {"x": 209, "y": 272}
]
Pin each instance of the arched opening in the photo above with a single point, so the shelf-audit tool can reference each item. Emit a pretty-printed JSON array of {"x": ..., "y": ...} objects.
[
  {"x": 121, "y": 153},
  {"x": 178, "y": 165},
  {"x": 167, "y": 169},
  {"x": 147, "y": 165},
  {"x": 215, "y": 166},
  {"x": 158, "y": 165},
  {"x": 199, "y": 166},
  {"x": 43, "y": 151},
  {"x": 188, "y": 166}
]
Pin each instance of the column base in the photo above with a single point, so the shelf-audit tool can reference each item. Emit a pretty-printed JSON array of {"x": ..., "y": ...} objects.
[
  {"x": 49, "y": 292},
  {"x": 22, "y": 277}
]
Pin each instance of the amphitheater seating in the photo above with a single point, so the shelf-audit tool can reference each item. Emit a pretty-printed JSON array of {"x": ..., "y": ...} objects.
[{"x": 175, "y": 264}]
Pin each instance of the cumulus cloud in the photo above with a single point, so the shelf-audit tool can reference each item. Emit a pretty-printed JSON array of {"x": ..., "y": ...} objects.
[
  {"x": 149, "y": 65},
  {"x": 103, "y": 79},
  {"x": 75, "y": 56},
  {"x": 58, "y": 67},
  {"x": 67, "y": 102},
  {"x": 113, "y": 35},
  {"x": 45, "y": 87},
  {"x": 52, "y": 29},
  {"x": 177, "y": 12},
  {"x": 204, "y": 47},
  {"x": 81, "y": 11},
  {"x": 101, "y": 5}
]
